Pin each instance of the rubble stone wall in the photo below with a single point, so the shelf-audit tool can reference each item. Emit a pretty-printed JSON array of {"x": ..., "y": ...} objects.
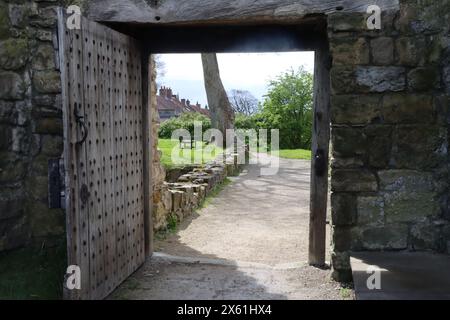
[{"x": 390, "y": 131}]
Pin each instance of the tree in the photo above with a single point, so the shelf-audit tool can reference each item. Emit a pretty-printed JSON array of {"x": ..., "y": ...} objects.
[
  {"x": 243, "y": 102},
  {"x": 288, "y": 106},
  {"x": 222, "y": 115},
  {"x": 160, "y": 66}
]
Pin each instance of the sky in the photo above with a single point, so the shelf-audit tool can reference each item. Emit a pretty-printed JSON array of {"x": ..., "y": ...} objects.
[{"x": 243, "y": 71}]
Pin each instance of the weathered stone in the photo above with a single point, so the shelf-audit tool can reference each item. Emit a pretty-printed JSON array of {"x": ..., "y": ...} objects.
[
  {"x": 342, "y": 238},
  {"x": 408, "y": 206},
  {"x": 12, "y": 168},
  {"x": 47, "y": 81},
  {"x": 44, "y": 58},
  {"x": 45, "y": 222},
  {"x": 382, "y": 50},
  {"x": 8, "y": 115},
  {"x": 407, "y": 108},
  {"x": 379, "y": 139},
  {"x": 5, "y": 137},
  {"x": 353, "y": 181},
  {"x": 12, "y": 86},
  {"x": 348, "y": 141},
  {"x": 410, "y": 51},
  {"x": 424, "y": 79},
  {"x": 389, "y": 237},
  {"x": 11, "y": 203},
  {"x": 343, "y": 209},
  {"x": 426, "y": 236},
  {"x": 419, "y": 146},
  {"x": 350, "y": 51},
  {"x": 340, "y": 260},
  {"x": 52, "y": 146},
  {"x": 37, "y": 186},
  {"x": 4, "y": 22},
  {"x": 363, "y": 79},
  {"x": 405, "y": 180},
  {"x": 380, "y": 79},
  {"x": 355, "y": 109},
  {"x": 370, "y": 211},
  {"x": 13, "y": 54},
  {"x": 13, "y": 233},
  {"x": 19, "y": 13},
  {"x": 46, "y": 19},
  {"x": 49, "y": 126},
  {"x": 342, "y": 22},
  {"x": 347, "y": 163}
]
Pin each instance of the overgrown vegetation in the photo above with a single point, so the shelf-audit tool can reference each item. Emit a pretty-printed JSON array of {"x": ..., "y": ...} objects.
[
  {"x": 288, "y": 106},
  {"x": 33, "y": 273},
  {"x": 187, "y": 156},
  {"x": 184, "y": 121}
]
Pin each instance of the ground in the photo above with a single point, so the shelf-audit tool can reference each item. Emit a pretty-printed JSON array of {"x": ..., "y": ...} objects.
[{"x": 249, "y": 242}]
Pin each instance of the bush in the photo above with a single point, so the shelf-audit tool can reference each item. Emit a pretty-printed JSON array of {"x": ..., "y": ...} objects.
[{"x": 185, "y": 121}]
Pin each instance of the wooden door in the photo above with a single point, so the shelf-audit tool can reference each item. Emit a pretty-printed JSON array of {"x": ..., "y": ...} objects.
[{"x": 104, "y": 154}]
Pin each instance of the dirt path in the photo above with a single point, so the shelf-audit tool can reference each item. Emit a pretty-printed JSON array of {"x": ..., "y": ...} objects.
[{"x": 249, "y": 242}]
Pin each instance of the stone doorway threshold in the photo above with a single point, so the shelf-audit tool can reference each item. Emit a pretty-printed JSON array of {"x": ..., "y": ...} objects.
[{"x": 404, "y": 275}]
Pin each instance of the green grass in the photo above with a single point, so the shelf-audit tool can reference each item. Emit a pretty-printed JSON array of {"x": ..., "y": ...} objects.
[
  {"x": 187, "y": 156},
  {"x": 296, "y": 154},
  {"x": 300, "y": 154},
  {"x": 32, "y": 273}
]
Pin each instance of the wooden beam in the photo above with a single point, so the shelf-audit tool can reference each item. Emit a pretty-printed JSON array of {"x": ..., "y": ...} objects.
[
  {"x": 158, "y": 12},
  {"x": 148, "y": 157},
  {"x": 319, "y": 163}
]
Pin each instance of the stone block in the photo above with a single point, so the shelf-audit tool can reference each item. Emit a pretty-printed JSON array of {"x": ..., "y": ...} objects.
[
  {"x": 45, "y": 222},
  {"x": 13, "y": 233},
  {"x": 426, "y": 236},
  {"x": 382, "y": 50},
  {"x": 345, "y": 22},
  {"x": 355, "y": 109},
  {"x": 343, "y": 209},
  {"x": 419, "y": 146},
  {"x": 407, "y": 108},
  {"x": 12, "y": 86},
  {"x": 379, "y": 145},
  {"x": 410, "y": 50},
  {"x": 44, "y": 58},
  {"x": 405, "y": 180},
  {"x": 49, "y": 126},
  {"x": 380, "y": 79},
  {"x": 389, "y": 237},
  {"x": 4, "y": 22},
  {"x": 13, "y": 54},
  {"x": 12, "y": 168},
  {"x": 47, "y": 82},
  {"x": 348, "y": 141},
  {"x": 347, "y": 163},
  {"x": 342, "y": 238},
  {"x": 370, "y": 210},
  {"x": 365, "y": 79},
  {"x": 410, "y": 206},
  {"x": 350, "y": 51},
  {"x": 52, "y": 146},
  {"x": 424, "y": 79},
  {"x": 347, "y": 180}
]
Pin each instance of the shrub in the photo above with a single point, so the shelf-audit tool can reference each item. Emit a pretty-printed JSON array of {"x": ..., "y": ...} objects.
[{"x": 185, "y": 121}]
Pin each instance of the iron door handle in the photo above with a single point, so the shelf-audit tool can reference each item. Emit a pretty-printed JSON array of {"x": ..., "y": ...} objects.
[{"x": 80, "y": 120}]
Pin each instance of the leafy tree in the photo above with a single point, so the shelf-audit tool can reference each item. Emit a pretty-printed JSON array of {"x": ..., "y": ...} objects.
[{"x": 288, "y": 106}]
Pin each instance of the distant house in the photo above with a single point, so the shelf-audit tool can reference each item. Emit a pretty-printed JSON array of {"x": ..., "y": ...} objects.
[{"x": 171, "y": 106}]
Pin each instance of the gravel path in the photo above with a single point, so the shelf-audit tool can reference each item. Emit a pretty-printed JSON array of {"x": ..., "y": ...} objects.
[{"x": 249, "y": 242}]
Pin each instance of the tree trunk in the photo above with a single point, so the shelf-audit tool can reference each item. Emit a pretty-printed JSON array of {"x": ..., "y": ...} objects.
[{"x": 222, "y": 114}]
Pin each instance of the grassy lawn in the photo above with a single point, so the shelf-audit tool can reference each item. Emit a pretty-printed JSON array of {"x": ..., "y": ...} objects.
[
  {"x": 187, "y": 156},
  {"x": 300, "y": 154},
  {"x": 32, "y": 273},
  {"x": 296, "y": 154}
]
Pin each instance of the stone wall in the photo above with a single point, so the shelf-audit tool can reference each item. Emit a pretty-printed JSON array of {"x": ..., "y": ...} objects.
[
  {"x": 390, "y": 131},
  {"x": 30, "y": 122}
]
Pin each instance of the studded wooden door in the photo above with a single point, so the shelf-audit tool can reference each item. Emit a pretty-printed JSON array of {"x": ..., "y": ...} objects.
[{"x": 104, "y": 156}]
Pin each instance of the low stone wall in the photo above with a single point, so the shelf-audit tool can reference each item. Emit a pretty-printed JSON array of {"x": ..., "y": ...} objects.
[{"x": 179, "y": 199}]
